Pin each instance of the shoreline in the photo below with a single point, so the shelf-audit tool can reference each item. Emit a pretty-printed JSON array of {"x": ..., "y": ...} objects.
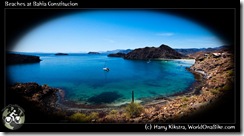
[
  {"x": 66, "y": 104},
  {"x": 198, "y": 96},
  {"x": 194, "y": 88}
]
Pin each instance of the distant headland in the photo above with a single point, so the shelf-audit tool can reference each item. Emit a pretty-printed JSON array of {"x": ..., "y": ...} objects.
[
  {"x": 61, "y": 54},
  {"x": 93, "y": 53},
  {"x": 21, "y": 59}
]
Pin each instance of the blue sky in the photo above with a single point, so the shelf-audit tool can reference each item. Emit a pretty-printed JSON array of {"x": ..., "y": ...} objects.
[{"x": 103, "y": 30}]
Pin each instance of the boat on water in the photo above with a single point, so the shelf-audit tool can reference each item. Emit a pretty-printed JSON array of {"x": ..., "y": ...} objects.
[{"x": 106, "y": 69}]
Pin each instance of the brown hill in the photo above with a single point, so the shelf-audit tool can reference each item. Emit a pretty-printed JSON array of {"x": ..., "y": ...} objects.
[{"x": 163, "y": 51}]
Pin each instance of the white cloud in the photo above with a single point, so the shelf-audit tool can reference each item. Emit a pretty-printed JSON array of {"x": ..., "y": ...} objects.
[
  {"x": 165, "y": 34},
  {"x": 109, "y": 40}
]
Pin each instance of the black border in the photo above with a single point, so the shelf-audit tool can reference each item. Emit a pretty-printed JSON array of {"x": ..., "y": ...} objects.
[{"x": 18, "y": 22}]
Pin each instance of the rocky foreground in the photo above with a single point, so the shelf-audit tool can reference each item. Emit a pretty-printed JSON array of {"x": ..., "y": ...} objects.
[
  {"x": 43, "y": 97},
  {"x": 214, "y": 73}
]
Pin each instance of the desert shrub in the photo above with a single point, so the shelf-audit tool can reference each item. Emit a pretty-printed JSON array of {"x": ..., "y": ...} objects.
[
  {"x": 81, "y": 117},
  {"x": 230, "y": 72},
  {"x": 133, "y": 110},
  {"x": 112, "y": 115},
  {"x": 184, "y": 106},
  {"x": 92, "y": 116},
  {"x": 214, "y": 91},
  {"x": 113, "y": 112},
  {"x": 226, "y": 87},
  {"x": 185, "y": 99}
]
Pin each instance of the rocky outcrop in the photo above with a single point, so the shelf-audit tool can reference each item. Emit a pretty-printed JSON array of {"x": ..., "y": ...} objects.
[
  {"x": 21, "y": 59},
  {"x": 217, "y": 67},
  {"x": 93, "y": 53},
  {"x": 44, "y": 96},
  {"x": 117, "y": 55},
  {"x": 163, "y": 51},
  {"x": 61, "y": 54}
]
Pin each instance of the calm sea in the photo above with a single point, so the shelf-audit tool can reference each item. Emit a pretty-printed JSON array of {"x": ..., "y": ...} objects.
[{"x": 83, "y": 79}]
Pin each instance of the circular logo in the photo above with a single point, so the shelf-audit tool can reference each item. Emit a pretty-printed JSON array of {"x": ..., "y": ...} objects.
[{"x": 13, "y": 117}]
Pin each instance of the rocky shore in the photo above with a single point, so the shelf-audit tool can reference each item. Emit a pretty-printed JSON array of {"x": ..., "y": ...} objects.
[
  {"x": 215, "y": 78},
  {"x": 216, "y": 82},
  {"x": 43, "y": 96}
]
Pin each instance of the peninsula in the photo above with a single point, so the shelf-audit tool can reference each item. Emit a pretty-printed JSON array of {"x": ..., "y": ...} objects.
[{"x": 21, "y": 59}]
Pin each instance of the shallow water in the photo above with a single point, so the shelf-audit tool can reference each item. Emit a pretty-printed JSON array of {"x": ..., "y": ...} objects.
[{"x": 82, "y": 78}]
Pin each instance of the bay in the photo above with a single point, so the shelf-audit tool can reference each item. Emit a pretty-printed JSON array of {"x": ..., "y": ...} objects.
[{"x": 83, "y": 79}]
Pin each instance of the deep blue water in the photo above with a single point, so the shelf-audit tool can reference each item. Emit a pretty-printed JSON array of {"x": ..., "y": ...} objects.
[{"x": 82, "y": 78}]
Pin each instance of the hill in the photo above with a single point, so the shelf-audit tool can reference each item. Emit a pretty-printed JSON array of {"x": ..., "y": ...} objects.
[{"x": 163, "y": 51}]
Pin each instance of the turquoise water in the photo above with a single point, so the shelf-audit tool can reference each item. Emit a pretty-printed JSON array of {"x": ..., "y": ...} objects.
[{"x": 82, "y": 78}]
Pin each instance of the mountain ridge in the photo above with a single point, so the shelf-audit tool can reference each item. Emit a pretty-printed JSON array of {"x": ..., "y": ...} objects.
[{"x": 163, "y": 51}]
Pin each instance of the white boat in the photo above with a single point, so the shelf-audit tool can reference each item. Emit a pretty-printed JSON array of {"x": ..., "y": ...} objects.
[
  {"x": 149, "y": 61},
  {"x": 106, "y": 69}
]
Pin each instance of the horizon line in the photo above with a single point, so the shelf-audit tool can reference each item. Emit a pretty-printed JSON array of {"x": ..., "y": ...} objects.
[{"x": 101, "y": 51}]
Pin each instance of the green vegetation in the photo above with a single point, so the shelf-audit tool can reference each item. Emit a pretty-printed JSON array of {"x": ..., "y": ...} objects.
[
  {"x": 230, "y": 72},
  {"x": 133, "y": 110},
  {"x": 214, "y": 91},
  {"x": 226, "y": 87},
  {"x": 184, "y": 106},
  {"x": 112, "y": 115},
  {"x": 185, "y": 99},
  {"x": 112, "y": 112},
  {"x": 81, "y": 117}
]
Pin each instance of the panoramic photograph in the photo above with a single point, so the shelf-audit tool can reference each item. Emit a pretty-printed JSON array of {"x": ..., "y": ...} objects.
[{"x": 119, "y": 66}]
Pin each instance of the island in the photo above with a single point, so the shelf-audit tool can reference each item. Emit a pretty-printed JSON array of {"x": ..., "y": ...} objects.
[
  {"x": 93, "y": 52},
  {"x": 21, "y": 59},
  {"x": 61, "y": 54}
]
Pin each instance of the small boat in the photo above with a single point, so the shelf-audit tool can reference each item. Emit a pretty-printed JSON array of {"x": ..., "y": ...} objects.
[
  {"x": 149, "y": 61},
  {"x": 106, "y": 69}
]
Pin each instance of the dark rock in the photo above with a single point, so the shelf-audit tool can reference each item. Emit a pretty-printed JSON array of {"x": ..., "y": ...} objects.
[
  {"x": 117, "y": 55},
  {"x": 163, "y": 51},
  {"x": 33, "y": 92},
  {"x": 21, "y": 59},
  {"x": 200, "y": 58},
  {"x": 105, "y": 97},
  {"x": 61, "y": 54},
  {"x": 93, "y": 53},
  {"x": 31, "y": 89}
]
